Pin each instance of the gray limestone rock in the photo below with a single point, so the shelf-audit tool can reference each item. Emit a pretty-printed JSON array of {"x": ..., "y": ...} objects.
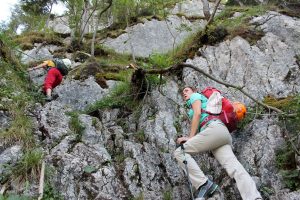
[
  {"x": 153, "y": 36},
  {"x": 5, "y": 120},
  {"x": 266, "y": 68},
  {"x": 40, "y": 52},
  {"x": 78, "y": 95},
  {"x": 84, "y": 170},
  {"x": 285, "y": 27},
  {"x": 191, "y": 8},
  {"x": 8, "y": 157},
  {"x": 54, "y": 119},
  {"x": 37, "y": 76},
  {"x": 60, "y": 25}
]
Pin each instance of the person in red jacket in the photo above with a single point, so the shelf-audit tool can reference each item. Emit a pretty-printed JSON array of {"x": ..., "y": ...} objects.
[{"x": 53, "y": 78}]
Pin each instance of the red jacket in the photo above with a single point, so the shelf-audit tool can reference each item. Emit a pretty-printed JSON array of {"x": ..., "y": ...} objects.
[{"x": 53, "y": 79}]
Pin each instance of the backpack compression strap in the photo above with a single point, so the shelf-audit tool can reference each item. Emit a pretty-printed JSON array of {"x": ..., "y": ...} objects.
[{"x": 213, "y": 116}]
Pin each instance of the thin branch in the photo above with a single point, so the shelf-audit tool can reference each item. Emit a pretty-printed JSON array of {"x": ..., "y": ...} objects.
[
  {"x": 213, "y": 14},
  {"x": 42, "y": 178},
  {"x": 3, "y": 189},
  {"x": 84, "y": 53},
  {"x": 88, "y": 19},
  {"x": 96, "y": 26},
  {"x": 182, "y": 65}
]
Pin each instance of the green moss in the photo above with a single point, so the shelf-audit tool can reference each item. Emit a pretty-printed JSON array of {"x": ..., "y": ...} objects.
[
  {"x": 288, "y": 103},
  {"x": 239, "y": 25},
  {"x": 120, "y": 157},
  {"x": 76, "y": 125},
  {"x": 50, "y": 193},
  {"x": 14, "y": 197},
  {"x": 140, "y": 136},
  {"x": 120, "y": 97},
  {"x": 121, "y": 75},
  {"x": 167, "y": 195},
  {"x": 285, "y": 156},
  {"x": 291, "y": 179},
  {"x": 140, "y": 197},
  {"x": 27, "y": 40}
]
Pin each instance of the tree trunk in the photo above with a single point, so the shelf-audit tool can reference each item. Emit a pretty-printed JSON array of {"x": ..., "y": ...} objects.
[
  {"x": 97, "y": 25},
  {"x": 49, "y": 15},
  {"x": 129, "y": 37},
  {"x": 84, "y": 20}
]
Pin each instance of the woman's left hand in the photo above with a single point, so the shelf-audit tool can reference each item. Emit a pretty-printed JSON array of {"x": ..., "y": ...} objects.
[{"x": 182, "y": 140}]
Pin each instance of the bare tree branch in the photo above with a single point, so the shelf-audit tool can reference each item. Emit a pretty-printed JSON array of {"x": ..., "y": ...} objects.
[
  {"x": 182, "y": 65},
  {"x": 213, "y": 14}
]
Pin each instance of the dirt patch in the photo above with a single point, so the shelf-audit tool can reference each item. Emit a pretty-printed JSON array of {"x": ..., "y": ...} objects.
[{"x": 250, "y": 34}]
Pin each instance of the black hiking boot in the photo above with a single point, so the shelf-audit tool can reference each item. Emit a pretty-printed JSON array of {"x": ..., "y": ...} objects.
[{"x": 206, "y": 190}]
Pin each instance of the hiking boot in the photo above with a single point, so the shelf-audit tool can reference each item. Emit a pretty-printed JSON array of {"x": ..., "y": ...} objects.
[
  {"x": 206, "y": 190},
  {"x": 48, "y": 98}
]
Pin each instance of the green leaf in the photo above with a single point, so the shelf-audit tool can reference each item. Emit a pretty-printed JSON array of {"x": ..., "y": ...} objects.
[{"x": 89, "y": 169}]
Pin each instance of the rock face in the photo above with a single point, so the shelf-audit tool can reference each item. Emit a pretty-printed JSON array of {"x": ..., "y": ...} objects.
[
  {"x": 153, "y": 36},
  {"x": 130, "y": 156},
  {"x": 40, "y": 52},
  {"x": 191, "y": 8},
  {"x": 71, "y": 93},
  {"x": 61, "y": 25},
  {"x": 284, "y": 27},
  {"x": 270, "y": 67}
]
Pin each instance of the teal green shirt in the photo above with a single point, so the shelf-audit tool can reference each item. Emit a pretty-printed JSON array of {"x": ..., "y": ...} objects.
[{"x": 193, "y": 98}]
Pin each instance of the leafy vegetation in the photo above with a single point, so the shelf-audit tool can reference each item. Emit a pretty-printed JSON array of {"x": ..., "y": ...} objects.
[
  {"x": 140, "y": 136},
  {"x": 167, "y": 195},
  {"x": 286, "y": 155},
  {"x": 50, "y": 193},
  {"x": 14, "y": 197},
  {"x": 25, "y": 169},
  {"x": 119, "y": 97},
  {"x": 135, "y": 9},
  {"x": 16, "y": 95},
  {"x": 27, "y": 39},
  {"x": 76, "y": 125},
  {"x": 238, "y": 25}
]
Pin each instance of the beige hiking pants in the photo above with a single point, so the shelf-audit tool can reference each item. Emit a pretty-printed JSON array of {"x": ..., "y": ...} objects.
[{"x": 215, "y": 137}]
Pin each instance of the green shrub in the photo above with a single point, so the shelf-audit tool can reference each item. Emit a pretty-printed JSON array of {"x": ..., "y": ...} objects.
[
  {"x": 160, "y": 61},
  {"x": 120, "y": 97},
  {"x": 27, "y": 167},
  {"x": 167, "y": 195},
  {"x": 50, "y": 193},
  {"x": 140, "y": 136},
  {"x": 14, "y": 197},
  {"x": 76, "y": 125}
]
